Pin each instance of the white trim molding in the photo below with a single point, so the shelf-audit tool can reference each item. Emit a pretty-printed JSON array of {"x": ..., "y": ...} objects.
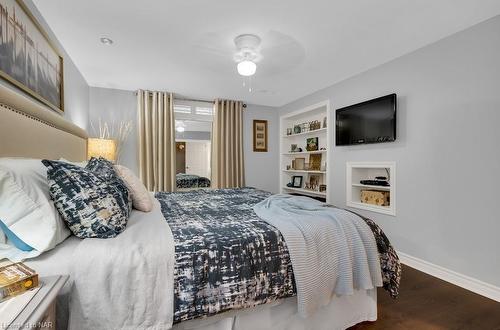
[{"x": 463, "y": 281}]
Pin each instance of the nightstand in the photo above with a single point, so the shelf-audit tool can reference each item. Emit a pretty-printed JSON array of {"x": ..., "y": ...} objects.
[{"x": 40, "y": 312}]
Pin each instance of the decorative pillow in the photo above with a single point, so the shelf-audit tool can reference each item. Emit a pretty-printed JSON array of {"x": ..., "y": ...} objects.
[
  {"x": 141, "y": 197},
  {"x": 26, "y": 210},
  {"x": 105, "y": 169},
  {"x": 81, "y": 164},
  {"x": 92, "y": 205}
]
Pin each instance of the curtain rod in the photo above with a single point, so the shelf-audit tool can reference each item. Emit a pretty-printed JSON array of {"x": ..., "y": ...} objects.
[{"x": 195, "y": 100}]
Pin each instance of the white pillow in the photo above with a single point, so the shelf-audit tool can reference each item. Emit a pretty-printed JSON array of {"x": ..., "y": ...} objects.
[
  {"x": 26, "y": 208},
  {"x": 141, "y": 198}
]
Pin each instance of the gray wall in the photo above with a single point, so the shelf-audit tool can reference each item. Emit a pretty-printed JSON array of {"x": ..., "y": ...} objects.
[
  {"x": 76, "y": 89},
  {"x": 261, "y": 168},
  {"x": 447, "y": 152},
  {"x": 113, "y": 106}
]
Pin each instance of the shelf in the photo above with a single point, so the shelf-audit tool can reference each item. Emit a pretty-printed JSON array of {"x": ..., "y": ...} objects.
[
  {"x": 304, "y": 171},
  {"x": 385, "y": 188},
  {"x": 306, "y": 133},
  {"x": 304, "y": 153},
  {"x": 306, "y": 191},
  {"x": 370, "y": 207}
]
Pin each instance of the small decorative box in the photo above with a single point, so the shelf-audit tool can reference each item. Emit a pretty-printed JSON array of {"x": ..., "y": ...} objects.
[{"x": 375, "y": 197}]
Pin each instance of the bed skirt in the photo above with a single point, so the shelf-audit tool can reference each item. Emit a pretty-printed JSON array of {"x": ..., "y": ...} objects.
[{"x": 342, "y": 312}]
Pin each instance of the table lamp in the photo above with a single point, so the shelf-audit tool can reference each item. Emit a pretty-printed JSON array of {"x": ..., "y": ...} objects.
[{"x": 105, "y": 148}]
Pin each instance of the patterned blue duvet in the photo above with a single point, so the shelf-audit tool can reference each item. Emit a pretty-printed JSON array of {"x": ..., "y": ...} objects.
[{"x": 226, "y": 257}]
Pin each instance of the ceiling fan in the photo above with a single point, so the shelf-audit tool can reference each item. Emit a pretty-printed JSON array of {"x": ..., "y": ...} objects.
[{"x": 247, "y": 54}]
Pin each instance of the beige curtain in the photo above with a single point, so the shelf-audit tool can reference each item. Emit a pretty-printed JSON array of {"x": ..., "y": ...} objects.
[
  {"x": 227, "y": 145},
  {"x": 156, "y": 128}
]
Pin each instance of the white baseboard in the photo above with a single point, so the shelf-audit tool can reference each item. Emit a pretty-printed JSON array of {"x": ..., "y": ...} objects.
[{"x": 466, "y": 282}]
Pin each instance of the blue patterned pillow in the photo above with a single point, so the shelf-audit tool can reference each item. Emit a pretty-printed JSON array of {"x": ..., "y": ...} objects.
[
  {"x": 106, "y": 170},
  {"x": 91, "y": 204}
]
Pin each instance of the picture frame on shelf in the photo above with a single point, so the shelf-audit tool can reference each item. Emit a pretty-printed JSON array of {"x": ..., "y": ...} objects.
[
  {"x": 315, "y": 162},
  {"x": 293, "y": 148},
  {"x": 297, "y": 181},
  {"x": 297, "y": 129},
  {"x": 322, "y": 187},
  {"x": 312, "y": 144},
  {"x": 304, "y": 127},
  {"x": 314, "y": 180},
  {"x": 299, "y": 164}
]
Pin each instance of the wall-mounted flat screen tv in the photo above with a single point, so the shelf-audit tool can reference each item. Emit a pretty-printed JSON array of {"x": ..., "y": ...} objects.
[{"x": 372, "y": 121}]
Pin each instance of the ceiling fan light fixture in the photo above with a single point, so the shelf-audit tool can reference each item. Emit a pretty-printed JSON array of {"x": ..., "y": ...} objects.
[{"x": 247, "y": 68}]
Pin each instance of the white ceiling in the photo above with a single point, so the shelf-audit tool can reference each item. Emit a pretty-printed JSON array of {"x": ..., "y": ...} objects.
[{"x": 186, "y": 46}]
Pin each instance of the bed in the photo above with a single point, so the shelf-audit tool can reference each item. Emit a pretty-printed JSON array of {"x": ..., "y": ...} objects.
[
  {"x": 131, "y": 281},
  {"x": 190, "y": 181}
]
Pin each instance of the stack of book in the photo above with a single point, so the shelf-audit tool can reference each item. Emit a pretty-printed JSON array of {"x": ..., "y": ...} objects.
[{"x": 15, "y": 279}]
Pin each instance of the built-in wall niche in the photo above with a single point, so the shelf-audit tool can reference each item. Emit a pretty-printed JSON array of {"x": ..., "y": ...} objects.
[{"x": 371, "y": 197}]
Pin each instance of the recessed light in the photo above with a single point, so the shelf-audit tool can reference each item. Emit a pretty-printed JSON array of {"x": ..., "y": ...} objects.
[{"x": 106, "y": 41}]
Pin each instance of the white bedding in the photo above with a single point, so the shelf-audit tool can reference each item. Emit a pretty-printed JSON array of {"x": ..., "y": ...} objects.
[
  {"x": 127, "y": 283},
  {"x": 124, "y": 282}
]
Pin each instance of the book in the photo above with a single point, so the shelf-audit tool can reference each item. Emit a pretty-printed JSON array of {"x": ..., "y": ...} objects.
[{"x": 15, "y": 279}]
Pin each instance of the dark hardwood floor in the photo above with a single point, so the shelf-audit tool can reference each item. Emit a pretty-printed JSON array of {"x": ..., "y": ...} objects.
[{"x": 426, "y": 302}]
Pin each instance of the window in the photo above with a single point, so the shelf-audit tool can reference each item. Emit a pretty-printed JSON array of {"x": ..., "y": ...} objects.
[
  {"x": 205, "y": 111},
  {"x": 179, "y": 108}
]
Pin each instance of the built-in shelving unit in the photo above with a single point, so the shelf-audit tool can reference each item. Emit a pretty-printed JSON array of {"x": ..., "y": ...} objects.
[
  {"x": 304, "y": 152},
  {"x": 304, "y": 171},
  {"x": 305, "y": 191},
  {"x": 305, "y": 133},
  {"x": 317, "y": 112},
  {"x": 357, "y": 171}
]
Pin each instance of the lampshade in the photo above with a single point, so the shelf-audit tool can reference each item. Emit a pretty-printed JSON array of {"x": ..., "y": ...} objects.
[
  {"x": 105, "y": 148},
  {"x": 246, "y": 68}
]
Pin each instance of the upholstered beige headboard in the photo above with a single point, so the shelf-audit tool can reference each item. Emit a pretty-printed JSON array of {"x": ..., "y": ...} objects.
[{"x": 28, "y": 129}]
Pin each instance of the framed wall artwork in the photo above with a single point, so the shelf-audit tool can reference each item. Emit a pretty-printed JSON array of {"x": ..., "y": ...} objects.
[
  {"x": 28, "y": 59},
  {"x": 260, "y": 135}
]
